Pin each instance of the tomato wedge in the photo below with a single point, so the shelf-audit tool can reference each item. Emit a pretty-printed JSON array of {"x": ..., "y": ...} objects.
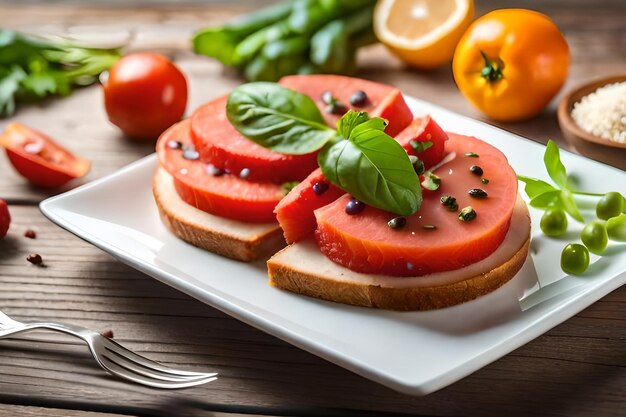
[
  {"x": 295, "y": 211},
  {"x": 382, "y": 100},
  {"x": 40, "y": 159},
  {"x": 218, "y": 193},
  {"x": 424, "y": 130}
]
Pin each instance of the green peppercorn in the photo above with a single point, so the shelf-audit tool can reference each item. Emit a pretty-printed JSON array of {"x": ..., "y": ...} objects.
[
  {"x": 449, "y": 202},
  {"x": 467, "y": 214}
]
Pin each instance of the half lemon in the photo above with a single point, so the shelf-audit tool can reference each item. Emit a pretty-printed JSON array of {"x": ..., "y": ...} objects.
[{"x": 423, "y": 33}]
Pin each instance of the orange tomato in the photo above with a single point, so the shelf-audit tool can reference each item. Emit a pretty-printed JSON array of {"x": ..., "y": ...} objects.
[{"x": 510, "y": 63}]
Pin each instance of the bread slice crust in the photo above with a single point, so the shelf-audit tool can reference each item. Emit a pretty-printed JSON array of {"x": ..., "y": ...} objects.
[
  {"x": 230, "y": 238},
  {"x": 320, "y": 278}
]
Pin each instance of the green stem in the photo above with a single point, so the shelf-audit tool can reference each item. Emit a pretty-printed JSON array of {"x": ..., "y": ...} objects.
[
  {"x": 492, "y": 71},
  {"x": 589, "y": 194}
]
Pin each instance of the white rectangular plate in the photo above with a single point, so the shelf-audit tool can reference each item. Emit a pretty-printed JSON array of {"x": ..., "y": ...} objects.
[{"x": 413, "y": 352}]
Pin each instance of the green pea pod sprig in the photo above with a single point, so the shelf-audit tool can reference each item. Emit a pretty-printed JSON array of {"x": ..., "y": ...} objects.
[
  {"x": 358, "y": 156},
  {"x": 558, "y": 198}
]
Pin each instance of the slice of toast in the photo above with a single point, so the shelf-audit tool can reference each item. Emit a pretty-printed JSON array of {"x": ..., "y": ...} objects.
[
  {"x": 231, "y": 238},
  {"x": 303, "y": 269}
]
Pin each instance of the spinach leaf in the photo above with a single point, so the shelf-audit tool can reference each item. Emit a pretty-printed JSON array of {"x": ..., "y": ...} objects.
[
  {"x": 278, "y": 118},
  {"x": 374, "y": 168}
]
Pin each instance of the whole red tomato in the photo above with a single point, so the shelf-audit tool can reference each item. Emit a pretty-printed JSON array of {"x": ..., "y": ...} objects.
[
  {"x": 144, "y": 94},
  {"x": 5, "y": 218}
]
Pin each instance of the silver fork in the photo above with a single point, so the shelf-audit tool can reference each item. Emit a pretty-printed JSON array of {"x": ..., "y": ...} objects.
[{"x": 113, "y": 357}]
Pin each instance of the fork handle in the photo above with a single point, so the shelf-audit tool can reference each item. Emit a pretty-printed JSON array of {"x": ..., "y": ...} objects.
[{"x": 76, "y": 331}]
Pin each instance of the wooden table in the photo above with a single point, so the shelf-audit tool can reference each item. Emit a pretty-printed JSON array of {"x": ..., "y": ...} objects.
[{"x": 578, "y": 368}]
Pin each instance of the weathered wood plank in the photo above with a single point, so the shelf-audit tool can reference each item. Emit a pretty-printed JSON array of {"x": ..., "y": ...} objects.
[{"x": 27, "y": 411}]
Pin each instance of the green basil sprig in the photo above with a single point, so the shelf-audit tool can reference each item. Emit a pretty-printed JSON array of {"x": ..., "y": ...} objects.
[
  {"x": 358, "y": 157},
  {"x": 374, "y": 168}
]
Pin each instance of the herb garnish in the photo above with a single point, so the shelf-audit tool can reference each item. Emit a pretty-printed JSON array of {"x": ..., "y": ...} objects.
[
  {"x": 32, "y": 68},
  {"x": 358, "y": 157},
  {"x": 420, "y": 146},
  {"x": 431, "y": 181}
]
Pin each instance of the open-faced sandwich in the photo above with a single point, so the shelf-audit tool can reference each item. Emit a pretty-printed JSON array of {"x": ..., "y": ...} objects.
[
  {"x": 399, "y": 215},
  {"x": 217, "y": 189}
]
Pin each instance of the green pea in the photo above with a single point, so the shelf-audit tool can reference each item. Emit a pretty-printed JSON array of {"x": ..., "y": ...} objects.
[
  {"x": 553, "y": 222},
  {"x": 616, "y": 228},
  {"x": 610, "y": 205},
  {"x": 574, "y": 259},
  {"x": 595, "y": 237}
]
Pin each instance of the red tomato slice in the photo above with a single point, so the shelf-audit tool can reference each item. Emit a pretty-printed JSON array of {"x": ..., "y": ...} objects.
[
  {"x": 295, "y": 211},
  {"x": 365, "y": 243},
  {"x": 225, "y": 195},
  {"x": 424, "y": 130},
  {"x": 220, "y": 144},
  {"x": 40, "y": 159},
  {"x": 382, "y": 100}
]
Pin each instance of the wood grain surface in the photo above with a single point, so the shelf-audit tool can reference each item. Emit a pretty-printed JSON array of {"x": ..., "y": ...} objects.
[{"x": 576, "y": 369}]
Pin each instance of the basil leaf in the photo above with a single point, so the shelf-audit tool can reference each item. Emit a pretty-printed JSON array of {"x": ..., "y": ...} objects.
[
  {"x": 374, "y": 168},
  {"x": 420, "y": 146},
  {"x": 431, "y": 181},
  {"x": 535, "y": 187},
  {"x": 349, "y": 121},
  {"x": 278, "y": 118},
  {"x": 555, "y": 168}
]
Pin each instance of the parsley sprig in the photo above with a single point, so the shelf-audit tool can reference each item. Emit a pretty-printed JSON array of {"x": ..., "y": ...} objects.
[{"x": 32, "y": 68}]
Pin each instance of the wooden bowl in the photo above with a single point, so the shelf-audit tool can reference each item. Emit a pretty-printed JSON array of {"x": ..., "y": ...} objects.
[{"x": 604, "y": 150}]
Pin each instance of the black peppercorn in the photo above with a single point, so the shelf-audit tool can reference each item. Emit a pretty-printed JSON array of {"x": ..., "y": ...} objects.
[
  {"x": 477, "y": 193},
  {"x": 354, "y": 206},
  {"x": 397, "y": 223},
  {"x": 358, "y": 99}
]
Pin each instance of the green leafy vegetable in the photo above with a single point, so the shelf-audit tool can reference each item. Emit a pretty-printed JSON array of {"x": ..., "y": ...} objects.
[
  {"x": 278, "y": 118},
  {"x": 374, "y": 168},
  {"x": 32, "y": 68},
  {"x": 294, "y": 37}
]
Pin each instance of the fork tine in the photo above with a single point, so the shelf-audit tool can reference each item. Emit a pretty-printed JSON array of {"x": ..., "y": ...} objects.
[
  {"x": 129, "y": 365},
  {"x": 119, "y": 350},
  {"x": 122, "y": 372}
]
